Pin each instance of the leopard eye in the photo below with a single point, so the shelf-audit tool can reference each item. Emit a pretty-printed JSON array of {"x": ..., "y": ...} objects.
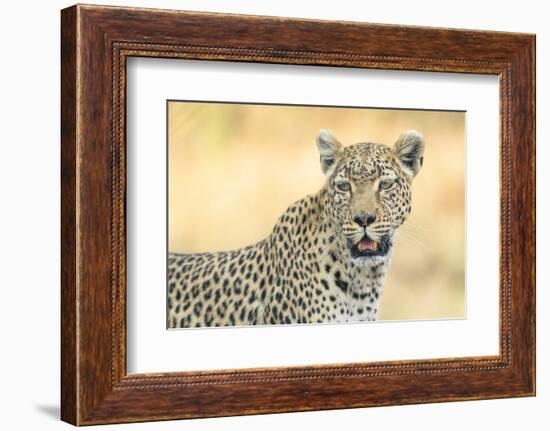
[
  {"x": 386, "y": 184},
  {"x": 343, "y": 186}
]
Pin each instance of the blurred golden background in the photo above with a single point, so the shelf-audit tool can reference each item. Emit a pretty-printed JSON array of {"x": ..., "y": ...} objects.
[{"x": 234, "y": 168}]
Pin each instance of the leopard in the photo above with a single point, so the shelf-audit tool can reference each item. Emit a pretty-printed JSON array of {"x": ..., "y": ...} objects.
[{"x": 326, "y": 258}]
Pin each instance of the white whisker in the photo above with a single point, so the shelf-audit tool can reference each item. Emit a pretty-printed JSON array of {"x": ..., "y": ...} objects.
[{"x": 412, "y": 238}]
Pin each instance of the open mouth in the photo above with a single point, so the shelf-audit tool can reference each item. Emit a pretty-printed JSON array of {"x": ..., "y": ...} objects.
[{"x": 367, "y": 247}]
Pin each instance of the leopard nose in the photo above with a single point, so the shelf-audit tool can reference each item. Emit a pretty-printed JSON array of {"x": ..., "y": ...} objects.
[{"x": 363, "y": 219}]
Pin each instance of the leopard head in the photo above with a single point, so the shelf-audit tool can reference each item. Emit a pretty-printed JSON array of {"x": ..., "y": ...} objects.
[{"x": 368, "y": 189}]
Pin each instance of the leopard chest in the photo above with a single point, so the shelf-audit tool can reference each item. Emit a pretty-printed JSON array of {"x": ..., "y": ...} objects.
[
  {"x": 356, "y": 294},
  {"x": 329, "y": 290}
]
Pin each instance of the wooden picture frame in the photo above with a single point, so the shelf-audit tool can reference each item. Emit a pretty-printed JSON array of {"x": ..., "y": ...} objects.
[{"x": 96, "y": 41}]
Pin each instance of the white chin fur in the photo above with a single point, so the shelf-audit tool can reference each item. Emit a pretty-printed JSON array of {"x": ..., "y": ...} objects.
[{"x": 370, "y": 260}]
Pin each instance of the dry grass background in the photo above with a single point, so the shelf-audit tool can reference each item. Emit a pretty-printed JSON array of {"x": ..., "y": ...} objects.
[{"x": 233, "y": 169}]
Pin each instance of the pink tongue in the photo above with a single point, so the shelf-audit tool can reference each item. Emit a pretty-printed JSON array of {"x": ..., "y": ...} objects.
[{"x": 367, "y": 244}]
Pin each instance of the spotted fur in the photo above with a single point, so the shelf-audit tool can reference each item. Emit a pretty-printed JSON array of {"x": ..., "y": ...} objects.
[{"x": 325, "y": 260}]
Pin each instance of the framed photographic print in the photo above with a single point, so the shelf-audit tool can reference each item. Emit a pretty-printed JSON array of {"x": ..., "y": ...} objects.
[{"x": 263, "y": 214}]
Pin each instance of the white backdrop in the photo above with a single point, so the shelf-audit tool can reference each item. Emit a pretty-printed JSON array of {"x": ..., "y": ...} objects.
[
  {"x": 151, "y": 348},
  {"x": 29, "y": 228}
]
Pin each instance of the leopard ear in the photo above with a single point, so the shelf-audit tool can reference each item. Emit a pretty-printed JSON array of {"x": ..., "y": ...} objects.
[
  {"x": 409, "y": 151},
  {"x": 329, "y": 150}
]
